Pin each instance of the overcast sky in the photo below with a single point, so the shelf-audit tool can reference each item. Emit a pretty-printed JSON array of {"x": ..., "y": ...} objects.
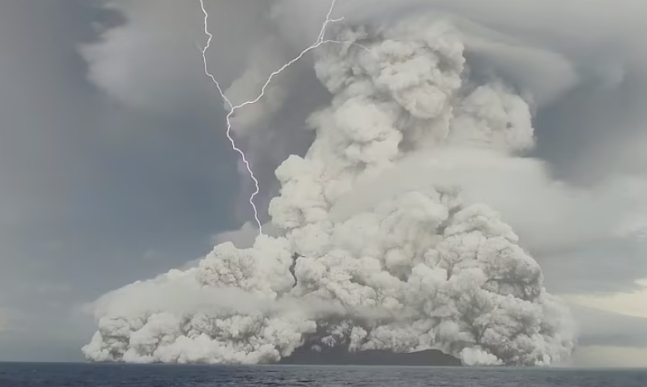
[
  {"x": 93, "y": 194},
  {"x": 114, "y": 166}
]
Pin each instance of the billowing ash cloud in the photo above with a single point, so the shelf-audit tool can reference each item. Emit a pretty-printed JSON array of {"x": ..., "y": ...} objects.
[{"x": 415, "y": 270}]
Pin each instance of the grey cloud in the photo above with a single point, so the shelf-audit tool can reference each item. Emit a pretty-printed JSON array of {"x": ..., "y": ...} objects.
[
  {"x": 153, "y": 60},
  {"x": 585, "y": 129},
  {"x": 88, "y": 185}
]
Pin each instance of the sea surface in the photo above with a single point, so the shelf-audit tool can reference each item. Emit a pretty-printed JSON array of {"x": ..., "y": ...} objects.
[{"x": 104, "y": 375}]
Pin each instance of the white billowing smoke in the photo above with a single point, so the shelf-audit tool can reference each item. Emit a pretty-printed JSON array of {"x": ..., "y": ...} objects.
[{"x": 420, "y": 269}]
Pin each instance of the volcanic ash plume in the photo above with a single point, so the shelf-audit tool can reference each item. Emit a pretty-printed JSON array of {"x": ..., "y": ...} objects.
[{"x": 419, "y": 270}]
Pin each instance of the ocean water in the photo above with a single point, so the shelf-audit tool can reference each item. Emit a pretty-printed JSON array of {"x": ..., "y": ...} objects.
[{"x": 104, "y": 375}]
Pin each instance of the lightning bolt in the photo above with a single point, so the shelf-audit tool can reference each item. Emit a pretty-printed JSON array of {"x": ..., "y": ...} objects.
[{"x": 233, "y": 108}]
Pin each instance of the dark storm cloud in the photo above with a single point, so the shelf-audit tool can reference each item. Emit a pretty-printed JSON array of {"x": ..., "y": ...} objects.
[{"x": 93, "y": 194}]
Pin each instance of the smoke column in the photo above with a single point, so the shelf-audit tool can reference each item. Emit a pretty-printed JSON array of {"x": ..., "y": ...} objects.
[{"x": 414, "y": 269}]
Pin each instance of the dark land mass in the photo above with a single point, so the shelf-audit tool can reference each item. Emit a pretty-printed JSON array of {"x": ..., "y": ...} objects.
[{"x": 340, "y": 356}]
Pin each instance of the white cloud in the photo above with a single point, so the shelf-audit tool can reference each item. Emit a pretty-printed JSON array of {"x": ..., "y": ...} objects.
[
  {"x": 550, "y": 216},
  {"x": 241, "y": 238}
]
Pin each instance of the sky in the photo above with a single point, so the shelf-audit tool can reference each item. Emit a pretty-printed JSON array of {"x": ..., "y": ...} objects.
[
  {"x": 93, "y": 194},
  {"x": 114, "y": 166}
]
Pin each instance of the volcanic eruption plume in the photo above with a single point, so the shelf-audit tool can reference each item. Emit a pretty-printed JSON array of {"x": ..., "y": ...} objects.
[{"x": 417, "y": 269}]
